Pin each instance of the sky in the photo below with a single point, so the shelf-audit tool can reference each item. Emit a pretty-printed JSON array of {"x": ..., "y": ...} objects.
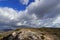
[
  {"x": 15, "y": 4},
  {"x": 30, "y": 13}
]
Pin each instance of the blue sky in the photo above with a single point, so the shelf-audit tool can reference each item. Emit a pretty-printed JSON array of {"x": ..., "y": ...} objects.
[
  {"x": 15, "y": 4},
  {"x": 30, "y": 13}
]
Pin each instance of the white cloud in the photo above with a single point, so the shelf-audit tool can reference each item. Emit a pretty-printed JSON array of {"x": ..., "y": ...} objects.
[
  {"x": 41, "y": 13},
  {"x": 12, "y": 18},
  {"x": 7, "y": 16},
  {"x": 56, "y": 21},
  {"x": 24, "y": 2}
]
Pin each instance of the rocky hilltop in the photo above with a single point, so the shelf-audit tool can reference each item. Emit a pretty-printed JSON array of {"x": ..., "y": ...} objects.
[{"x": 33, "y": 34}]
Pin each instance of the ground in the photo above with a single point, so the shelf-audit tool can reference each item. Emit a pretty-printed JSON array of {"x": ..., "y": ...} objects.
[{"x": 34, "y": 34}]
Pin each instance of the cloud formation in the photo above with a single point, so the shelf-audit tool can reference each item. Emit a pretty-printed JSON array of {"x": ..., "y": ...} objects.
[
  {"x": 43, "y": 7},
  {"x": 41, "y": 13},
  {"x": 24, "y": 2}
]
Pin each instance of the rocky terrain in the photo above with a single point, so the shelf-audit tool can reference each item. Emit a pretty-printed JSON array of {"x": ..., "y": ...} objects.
[{"x": 33, "y": 34}]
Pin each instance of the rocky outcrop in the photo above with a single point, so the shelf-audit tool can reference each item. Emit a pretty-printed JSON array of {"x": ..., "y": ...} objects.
[{"x": 29, "y": 35}]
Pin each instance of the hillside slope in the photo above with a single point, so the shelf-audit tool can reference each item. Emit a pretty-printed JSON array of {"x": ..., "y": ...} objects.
[{"x": 32, "y": 34}]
